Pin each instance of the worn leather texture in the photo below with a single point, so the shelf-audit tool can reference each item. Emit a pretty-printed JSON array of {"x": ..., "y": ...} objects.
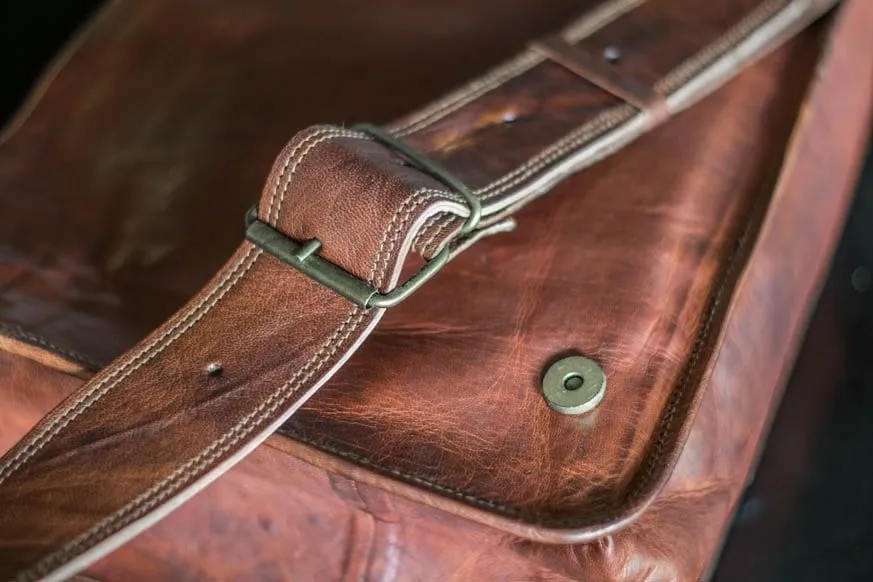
[{"x": 696, "y": 289}]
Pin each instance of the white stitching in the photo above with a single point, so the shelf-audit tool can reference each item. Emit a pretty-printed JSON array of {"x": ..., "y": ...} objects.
[
  {"x": 266, "y": 408},
  {"x": 446, "y": 221},
  {"x": 85, "y": 400},
  {"x": 290, "y": 157},
  {"x": 321, "y": 136},
  {"x": 584, "y": 133},
  {"x": 384, "y": 254},
  {"x": 586, "y": 24},
  {"x": 454, "y": 101},
  {"x": 529, "y": 167},
  {"x": 167, "y": 486}
]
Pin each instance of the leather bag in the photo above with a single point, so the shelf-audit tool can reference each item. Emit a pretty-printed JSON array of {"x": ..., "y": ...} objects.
[{"x": 535, "y": 330}]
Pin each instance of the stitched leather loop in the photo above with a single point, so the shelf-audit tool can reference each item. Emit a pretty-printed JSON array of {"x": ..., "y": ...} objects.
[{"x": 605, "y": 75}]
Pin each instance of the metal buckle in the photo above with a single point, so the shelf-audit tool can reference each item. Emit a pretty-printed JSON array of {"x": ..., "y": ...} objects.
[{"x": 304, "y": 256}]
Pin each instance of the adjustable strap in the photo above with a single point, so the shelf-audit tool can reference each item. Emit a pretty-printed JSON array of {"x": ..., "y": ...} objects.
[
  {"x": 225, "y": 372},
  {"x": 222, "y": 374}
]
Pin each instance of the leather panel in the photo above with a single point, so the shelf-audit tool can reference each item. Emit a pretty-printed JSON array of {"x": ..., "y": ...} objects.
[
  {"x": 632, "y": 272},
  {"x": 538, "y": 514}
]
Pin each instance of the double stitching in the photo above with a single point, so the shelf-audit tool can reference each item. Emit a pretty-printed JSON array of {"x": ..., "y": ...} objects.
[
  {"x": 101, "y": 387},
  {"x": 84, "y": 401},
  {"x": 619, "y": 114},
  {"x": 186, "y": 322},
  {"x": 585, "y": 25},
  {"x": 309, "y": 142},
  {"x": 681, "y": 74},
  {"x": 169, "y": 485}
]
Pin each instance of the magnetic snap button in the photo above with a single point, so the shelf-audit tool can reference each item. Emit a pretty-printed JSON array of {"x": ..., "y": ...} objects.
[{"x": 574, "y": 385}]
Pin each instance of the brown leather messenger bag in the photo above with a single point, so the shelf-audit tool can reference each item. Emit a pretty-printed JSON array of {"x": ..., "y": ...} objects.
[{"x": 523, "y": 370}]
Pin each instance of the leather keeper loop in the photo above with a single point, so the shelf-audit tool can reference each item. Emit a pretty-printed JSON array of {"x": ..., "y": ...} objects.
[{"x": 604, "y": 75}]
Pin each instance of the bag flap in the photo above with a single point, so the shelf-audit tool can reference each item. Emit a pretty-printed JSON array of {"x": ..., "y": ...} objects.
[{"x": 631, "y": 263}]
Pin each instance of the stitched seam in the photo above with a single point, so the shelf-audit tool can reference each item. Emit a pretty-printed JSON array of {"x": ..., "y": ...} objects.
[
  {"x": 410, "y": 204},
  {"x": 485, "y": 84},
  {"x": 667, "y": 85},
  {"x": 287, "y": 163},
  {"x": 170, "y": 484},
  {"x": 745, "y": 27},
  {"x": 309, "y": 142},
  {"x": 16, "y": 332},
  {"x": 99, "y": 389},
  {"x": 608, "y": 119},
  {"x": 585, "y": 25},
  {"x": 447, "y": 220},
  {"x": 689, "y": 68},
  {"x": 621, "y": 113},
  {"x": 145, "y": 354},
  {"x": 426, "y": 227},
  {"x": 599, "y": 17},
  {"x": 594, "y": 128},
  {"x": 716, "y": 299},
  {"x": 682, "y": 385},
  {"x": 553, "y": 153},
  {"x": 366, "y": 462}
]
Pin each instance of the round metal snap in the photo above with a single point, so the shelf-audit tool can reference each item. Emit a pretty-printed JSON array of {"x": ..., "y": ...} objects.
[{"x": 574, "y": 385}]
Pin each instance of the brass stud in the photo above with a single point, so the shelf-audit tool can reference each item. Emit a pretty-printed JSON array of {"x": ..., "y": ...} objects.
[{"x": 574, "y": 385}]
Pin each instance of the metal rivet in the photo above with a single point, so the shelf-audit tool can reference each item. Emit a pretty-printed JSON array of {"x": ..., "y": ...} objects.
[
  {"x": 214, "y": 369},
  {"x": 612, "y": 54},
  {"x": 574, "y": 385}
]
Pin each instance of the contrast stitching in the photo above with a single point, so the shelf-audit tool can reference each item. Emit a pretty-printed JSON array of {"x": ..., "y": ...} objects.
[
  {"x": 703, "y": 334},
  {"x": 684, "y": 72},
  {"x": 218, "y": 448},
  {"x": 149, "y": 499},
  {"x": 410, "y": 204},
  {"x": 169, "y": 485},
  {"x": 752, "y": 21},
  {"x": 82, "y": 402},
  {"x": 598, "y": 18},
  {"x": 597, "y": 126},
  {"x": 454, "y": 101},
  {"x": 424, "y": 245},
  {"x": 310, "y": 142},
  {"x": 291, "y": 156},
  {"x": 576, "y": 31},
  {"x": 608, "y": 119}
]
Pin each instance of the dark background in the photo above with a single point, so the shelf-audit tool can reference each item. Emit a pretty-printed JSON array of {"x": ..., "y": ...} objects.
[{"x": 808, "y": 514}]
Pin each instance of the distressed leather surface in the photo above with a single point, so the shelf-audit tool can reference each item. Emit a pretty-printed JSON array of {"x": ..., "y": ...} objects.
[
  {"x": 134, "y": 160},
  {"x": 366, "y": 533},
  {"x": 468, "y": 269},
  {"x": 632, "y": 272}
]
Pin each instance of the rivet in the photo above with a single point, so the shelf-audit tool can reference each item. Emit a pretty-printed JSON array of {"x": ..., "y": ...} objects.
[
  {"x": 612, "y": 54},
  {"x": 214, "y": 369},
  {"x": 574, "y": 385}
]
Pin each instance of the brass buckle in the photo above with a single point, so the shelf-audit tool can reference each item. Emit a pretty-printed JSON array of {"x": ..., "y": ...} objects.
[{"x": 304, "y": 256}]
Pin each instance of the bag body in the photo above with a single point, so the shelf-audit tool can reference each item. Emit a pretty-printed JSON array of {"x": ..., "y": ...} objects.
[{"x": 685, "y": 264}]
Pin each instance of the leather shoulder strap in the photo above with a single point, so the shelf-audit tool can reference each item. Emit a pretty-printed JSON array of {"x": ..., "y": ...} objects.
[{"x": 206, "y": 388}]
